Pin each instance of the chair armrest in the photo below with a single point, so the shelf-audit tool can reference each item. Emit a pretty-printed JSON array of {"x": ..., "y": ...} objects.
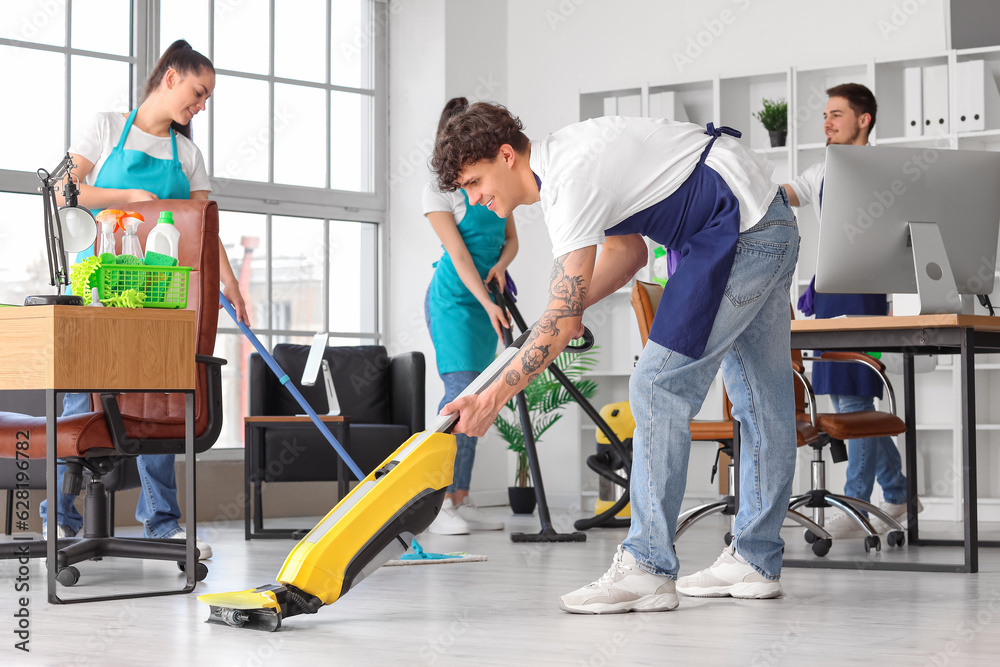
[
  {"x": 861, "y": 358},
  {"x": 136, "y": 446},
  {"x": 406, "y": 387},
  {"x": 854, "y": 356},
  {"x": 799, "y": 371}
]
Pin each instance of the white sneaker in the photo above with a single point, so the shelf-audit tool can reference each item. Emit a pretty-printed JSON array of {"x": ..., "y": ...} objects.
[
  {"x": 475, "y": 517},
  {"x": 204, "y": 550},
  {"x": 843, "y": 526},
  {"x": 729, "y": 576},
  {"x": 624, "y": 587},
  {"x": 448, "y": 522},
  {"x": 61, "y": 532},
  {"x": 897, "y": 512}
]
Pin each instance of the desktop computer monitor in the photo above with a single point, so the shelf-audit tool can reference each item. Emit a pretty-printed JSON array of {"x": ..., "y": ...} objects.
[{"x": 910, "y": 220}]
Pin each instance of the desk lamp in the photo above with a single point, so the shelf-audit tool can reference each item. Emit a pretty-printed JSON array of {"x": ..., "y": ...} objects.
[{"x": 71, "y": 228}]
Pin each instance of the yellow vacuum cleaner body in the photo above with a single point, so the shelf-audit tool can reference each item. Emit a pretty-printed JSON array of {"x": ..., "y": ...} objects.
[
  {"x": 376, "y": 521},
  {"x": 373, "y": 524}
]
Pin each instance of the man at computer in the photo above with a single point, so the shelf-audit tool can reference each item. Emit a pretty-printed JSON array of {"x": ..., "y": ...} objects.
[{"x": 848, "y": 119}]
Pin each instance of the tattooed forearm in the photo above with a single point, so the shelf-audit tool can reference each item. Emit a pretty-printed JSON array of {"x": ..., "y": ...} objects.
[
  {"x": 534, "y": 358},
  {"x": 512, "y": 377},
  {"x": 566, "y": 298}
]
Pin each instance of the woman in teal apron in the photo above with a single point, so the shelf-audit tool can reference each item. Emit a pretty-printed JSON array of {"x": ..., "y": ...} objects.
[
  {"x": 177, "y": 89},
  {"x": 464, "y": 322}
]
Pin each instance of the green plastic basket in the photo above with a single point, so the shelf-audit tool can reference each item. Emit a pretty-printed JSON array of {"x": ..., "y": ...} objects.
[{"x": 164, "y": 286}]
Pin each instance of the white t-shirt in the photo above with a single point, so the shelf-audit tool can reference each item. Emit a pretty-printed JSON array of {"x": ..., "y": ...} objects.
[
  {"x": 452, "y": 202},
  {"x": 808, "y": 184},
  {"x": 102, "y": 134},
  {"x": 599, "y": 172}
]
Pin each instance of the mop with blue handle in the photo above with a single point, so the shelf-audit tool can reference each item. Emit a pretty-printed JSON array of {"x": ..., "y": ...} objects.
[{"x": 418, "y": 553}]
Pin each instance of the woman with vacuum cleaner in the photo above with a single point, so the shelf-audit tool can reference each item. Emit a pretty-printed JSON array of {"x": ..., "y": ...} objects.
[
  {"x": 464, "y": 322},
  {"x": 148, "y": 154}
]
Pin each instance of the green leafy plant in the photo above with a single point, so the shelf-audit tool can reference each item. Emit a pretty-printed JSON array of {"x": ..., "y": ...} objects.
[
  {"x": 545, "y": 398},
  {"x": 774, "y": 116}
]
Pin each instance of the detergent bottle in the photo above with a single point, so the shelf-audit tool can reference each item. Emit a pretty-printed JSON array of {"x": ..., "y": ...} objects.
[{"x": 164, "y": 238}]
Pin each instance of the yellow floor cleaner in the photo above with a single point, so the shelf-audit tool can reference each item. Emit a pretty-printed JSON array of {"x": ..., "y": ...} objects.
[{"x": 373, "y": 524}]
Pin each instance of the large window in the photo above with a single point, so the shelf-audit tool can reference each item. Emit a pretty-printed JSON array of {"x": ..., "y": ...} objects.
[{"x": 293, "y": 138}]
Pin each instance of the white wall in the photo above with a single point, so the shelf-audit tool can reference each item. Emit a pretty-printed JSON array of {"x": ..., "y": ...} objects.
[{"x": 539, "y": 60}]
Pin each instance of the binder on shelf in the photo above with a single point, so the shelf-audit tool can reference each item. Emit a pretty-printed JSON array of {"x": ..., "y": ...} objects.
[
  {"x": 667, "y": 104},
  {"x": 976, "y": 96},
  {"x": 913, "y": 103},
  {"x": 630, "y": 105},
  {"x": 935, "y": 94},
  {"x": 611, "y": 106}
]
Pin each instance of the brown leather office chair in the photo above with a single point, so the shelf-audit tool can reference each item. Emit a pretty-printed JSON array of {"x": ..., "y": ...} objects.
[
  {"x": 645, "y": 300},
  {"x": 833, "y": 429},
  {"x": 128, "y": 424}
]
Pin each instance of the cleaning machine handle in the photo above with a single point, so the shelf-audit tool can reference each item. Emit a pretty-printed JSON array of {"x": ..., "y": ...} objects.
[
  {"x": 502, "y": 299},
  {"x": 293, "y": 390}
]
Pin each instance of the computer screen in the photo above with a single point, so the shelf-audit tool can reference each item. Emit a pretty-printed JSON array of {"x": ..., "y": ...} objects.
[{"x": 910, "y": 220}]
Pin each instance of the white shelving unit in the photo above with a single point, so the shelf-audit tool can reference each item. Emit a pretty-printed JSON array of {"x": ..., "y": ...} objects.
[{"x": 732, "y": 101}]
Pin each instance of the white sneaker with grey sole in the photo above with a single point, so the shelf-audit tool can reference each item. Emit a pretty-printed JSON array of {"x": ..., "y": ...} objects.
[
  {"x": 448, "y": 522},
  {"x": 624, "y": 587},
  {"x": 729, "y": 577},
  {"x": 204, "y": 550},
  {"x": 475, "y": 517}
]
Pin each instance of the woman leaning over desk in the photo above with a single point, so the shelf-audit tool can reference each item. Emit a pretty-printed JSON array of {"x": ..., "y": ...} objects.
[{"x": 148, "y": 154}]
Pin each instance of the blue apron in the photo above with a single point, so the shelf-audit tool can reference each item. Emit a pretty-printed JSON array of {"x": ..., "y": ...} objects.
[
  {"x": 131, "y": 169},
  {"x": 701, "y": 222},
  {"x": 842, "y": 378},
  {"x": 463, "y": 335}
]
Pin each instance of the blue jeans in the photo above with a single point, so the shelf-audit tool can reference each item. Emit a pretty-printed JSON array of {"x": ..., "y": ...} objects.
[
  {"x": 750, "y": 339},
  {"x": 157, "y": 509},
  {"x": 454, "y": 384},
  {"x": 869, "y": 459}
]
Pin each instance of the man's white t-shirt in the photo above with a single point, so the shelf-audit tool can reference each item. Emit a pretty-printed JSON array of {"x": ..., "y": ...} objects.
[
  {"x": 451, "y": 202},
  {"x": 807, "y": 186},
  {"x": 102, "y": 134},
  {"x": 599, "y": 172}
]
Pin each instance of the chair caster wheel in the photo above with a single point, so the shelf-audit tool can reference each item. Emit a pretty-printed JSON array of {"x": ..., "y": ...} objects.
[
  {"x": 896, "y": 538},
  {"x": 728, "y": 538},
  {"x": 68, "y": 576},
  {"x": 810, "y": 536},
  {"x": 872, "y": 542},
  {"x": 822, "y": 547},
  {"x": 200, "y": 570}
]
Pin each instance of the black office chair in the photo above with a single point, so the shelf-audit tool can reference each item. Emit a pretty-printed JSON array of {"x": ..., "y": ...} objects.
[{"x": 382, "y": 398}]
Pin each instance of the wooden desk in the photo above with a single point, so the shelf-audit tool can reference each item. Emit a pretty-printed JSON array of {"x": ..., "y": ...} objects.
[
  {"x": 964, "y": 335},
  {"x": 83, "y": 349},
  {"x": 254, "y": 427}
]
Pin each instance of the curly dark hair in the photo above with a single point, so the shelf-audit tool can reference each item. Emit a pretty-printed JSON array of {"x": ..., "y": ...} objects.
[
  {"x": 473, "y": 134},
  {"x": 859, "y": 98},
  {"x": 454, "y": 105}
]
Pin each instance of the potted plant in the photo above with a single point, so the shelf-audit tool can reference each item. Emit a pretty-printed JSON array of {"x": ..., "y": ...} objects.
[
  {"x": 774, "y": 118},
  {"x": 545, "y": 398}
]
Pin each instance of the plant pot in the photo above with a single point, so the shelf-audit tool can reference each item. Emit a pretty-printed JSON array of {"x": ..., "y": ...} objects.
[
  {"x": 522, "y": 499},
  {"x": 778, "y": 137}
]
